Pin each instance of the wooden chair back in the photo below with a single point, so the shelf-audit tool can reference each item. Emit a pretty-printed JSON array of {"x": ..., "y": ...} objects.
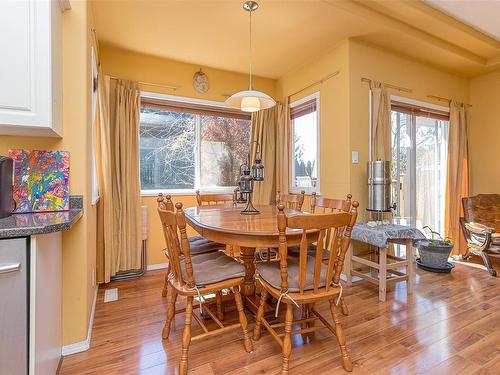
[
  {"x": 215, "y": 199},
  {"x": 328, "y": 205},
  {"x": 483, "y": 209},
  {"x": 340, "y": 224},
  {"x": 292, "y": 201},
  {"x": 165, "y": 202},
  {"x": 174, "y": 230},
  {"x": 324, "y": 205}
]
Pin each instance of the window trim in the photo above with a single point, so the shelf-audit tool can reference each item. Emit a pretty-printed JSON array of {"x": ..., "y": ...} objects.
[
  {"x": 95, "y": 194},
  {"x": 194, "y": 102},
  {"x": 425, "y": 106},
  {"x": 314, "y": 96}
]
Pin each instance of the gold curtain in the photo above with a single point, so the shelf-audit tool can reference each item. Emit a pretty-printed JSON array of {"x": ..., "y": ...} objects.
[
  {"x": 271, "y": 128},
  {"x": 117, "y": 159},
  {"x": 381, "y": 122},
  {"x": 457, "y": 178}
]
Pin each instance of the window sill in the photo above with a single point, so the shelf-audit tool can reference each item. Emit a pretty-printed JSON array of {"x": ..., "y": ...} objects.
[
  {"x": 207, "y": 190},
  {"x": 308, "y": 191}
]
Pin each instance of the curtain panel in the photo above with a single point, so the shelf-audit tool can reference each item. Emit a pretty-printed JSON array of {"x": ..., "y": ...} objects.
[
  {"x": 271, "y": 128},
  {"x": 457, "y": 178},
  {"x": 381, "y": 121},
  {"x": 117, "y": 159}
]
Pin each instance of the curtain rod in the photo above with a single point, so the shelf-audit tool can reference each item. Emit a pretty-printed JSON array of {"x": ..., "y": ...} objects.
[
  {"x": 445, "y": 99},
  {"x": 316, "y": 83},
  {"x": 399, "y": 88},
  {"x": 171, "y": 87}
]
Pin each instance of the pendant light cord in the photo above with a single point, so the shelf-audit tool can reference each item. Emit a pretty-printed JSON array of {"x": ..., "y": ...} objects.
[{"x": 250, "y": 49}]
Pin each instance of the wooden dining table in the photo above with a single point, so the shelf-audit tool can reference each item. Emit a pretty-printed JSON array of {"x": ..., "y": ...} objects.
[{"x": 226, "y": 224}]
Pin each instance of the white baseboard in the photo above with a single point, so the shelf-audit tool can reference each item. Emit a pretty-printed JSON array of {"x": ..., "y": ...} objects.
[
  {"x": 157, "y": 266},
  {"x": 84, "y": 345}
]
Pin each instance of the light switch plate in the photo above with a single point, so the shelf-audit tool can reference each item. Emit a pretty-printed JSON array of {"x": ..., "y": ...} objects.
[{"x": 355, "y": 157}]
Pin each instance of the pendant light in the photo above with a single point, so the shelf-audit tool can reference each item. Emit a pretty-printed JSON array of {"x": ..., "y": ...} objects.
[{"x": 250, "y": 100}]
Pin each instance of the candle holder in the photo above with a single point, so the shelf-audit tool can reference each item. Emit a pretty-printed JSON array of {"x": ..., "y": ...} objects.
[{"x": 247, "y": 177}]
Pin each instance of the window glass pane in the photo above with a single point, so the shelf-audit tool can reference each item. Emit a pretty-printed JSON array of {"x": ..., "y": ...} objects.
[
  {"x": 431, "y": 147},
  {"x": 419, "y": 152},
  {"x": 401, "y": 151},
  {"x": 167, "y": 149},
  {"x": 224, "y": 147},
  {"x": 305, "y": 151}
]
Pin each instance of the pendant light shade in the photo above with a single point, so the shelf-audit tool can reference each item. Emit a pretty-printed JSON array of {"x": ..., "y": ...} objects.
[{"x": 250, "y": 100}]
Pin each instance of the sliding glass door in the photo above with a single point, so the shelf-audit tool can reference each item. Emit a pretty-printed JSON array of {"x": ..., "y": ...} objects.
[{"x": 419, "y": 148}]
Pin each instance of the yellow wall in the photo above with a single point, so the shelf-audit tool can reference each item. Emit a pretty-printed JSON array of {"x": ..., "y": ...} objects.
[
  {"x": 484, "y": 133},
  {"x": 334, "y": 114},
  {"x": 129, "y": 65},
  {"x": 78, "y": 243}
]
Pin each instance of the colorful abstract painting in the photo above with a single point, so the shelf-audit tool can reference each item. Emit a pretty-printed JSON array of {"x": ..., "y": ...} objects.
[{"x": 41, "y": 180}]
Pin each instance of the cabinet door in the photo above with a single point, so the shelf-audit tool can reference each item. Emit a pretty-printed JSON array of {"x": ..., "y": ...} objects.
[
  {"x": 45, "y": 303},
  {"x": 25, "y": 67},
  {"x": 14, "y": 306}
]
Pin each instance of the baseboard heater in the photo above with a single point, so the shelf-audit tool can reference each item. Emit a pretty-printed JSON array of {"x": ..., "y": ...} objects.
[{"x": 131, "y": 274}]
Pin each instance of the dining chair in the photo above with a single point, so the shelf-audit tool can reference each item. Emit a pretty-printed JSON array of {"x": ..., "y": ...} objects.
[
  {"x": 217, "y": 199},
  {"x": 213, "y": 199},
  {"x": 293, "y": 201},
  {"x": 325, "y": 205},
  {"x": 322, "y": 204},
  {"x": 198, "y": 245},
  {"x": 197, "y": 276},
  {"x": 306, "y": 280}
]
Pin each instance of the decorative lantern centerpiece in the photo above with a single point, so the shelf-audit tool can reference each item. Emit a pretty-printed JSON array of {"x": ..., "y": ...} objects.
[
  {"x": 257, "y": 167},
  {"x": 240, "y": 197},
  {"x": 247, "y": 177}
]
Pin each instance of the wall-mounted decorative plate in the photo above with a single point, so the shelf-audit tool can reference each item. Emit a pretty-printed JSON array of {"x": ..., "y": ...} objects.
[{"x": 200, "y": 82}]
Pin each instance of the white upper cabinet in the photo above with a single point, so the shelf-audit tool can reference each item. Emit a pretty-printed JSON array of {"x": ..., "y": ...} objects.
[{"x": 31, "y": 68}]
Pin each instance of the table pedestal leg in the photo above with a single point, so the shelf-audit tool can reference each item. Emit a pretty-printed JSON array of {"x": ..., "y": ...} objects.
[
  {"x": 248, "y": 257},
  {"x": 252, "y": 300}
]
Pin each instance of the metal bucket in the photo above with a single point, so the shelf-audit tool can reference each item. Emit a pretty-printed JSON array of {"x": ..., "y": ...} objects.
[
  {"x": 434, "y": 256},
  {"x": 379, "y": 186}
]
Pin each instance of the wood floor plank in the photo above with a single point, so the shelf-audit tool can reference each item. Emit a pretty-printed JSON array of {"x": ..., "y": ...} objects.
[
  {"x": 447, "y": 326},
  {"x": 457, "y": 365}
]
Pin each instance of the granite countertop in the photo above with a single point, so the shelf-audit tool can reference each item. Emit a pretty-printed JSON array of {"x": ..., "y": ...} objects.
[{"x": 24, "y": 225}]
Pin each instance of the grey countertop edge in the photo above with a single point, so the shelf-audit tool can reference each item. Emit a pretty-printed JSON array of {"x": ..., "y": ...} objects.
[{"x": 13, "y": 231}]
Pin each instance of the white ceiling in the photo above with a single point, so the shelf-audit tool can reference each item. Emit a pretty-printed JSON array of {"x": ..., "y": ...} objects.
[{"x": 483, "y": 15}]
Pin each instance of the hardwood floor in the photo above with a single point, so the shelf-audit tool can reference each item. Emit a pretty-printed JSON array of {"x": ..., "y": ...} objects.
[{"x": 450, "y": 325}]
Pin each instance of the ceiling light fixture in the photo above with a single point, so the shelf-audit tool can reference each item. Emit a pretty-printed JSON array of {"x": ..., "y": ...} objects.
[{"x": 250, "y": 100}]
